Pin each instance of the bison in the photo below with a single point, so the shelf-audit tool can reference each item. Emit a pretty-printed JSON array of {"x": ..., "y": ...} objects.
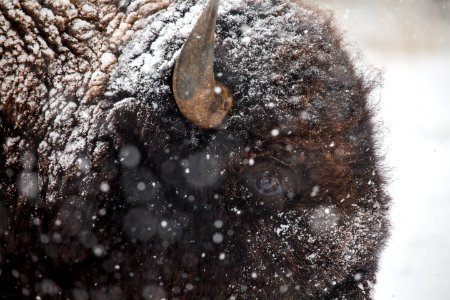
[{"x": 185, "y": 150}]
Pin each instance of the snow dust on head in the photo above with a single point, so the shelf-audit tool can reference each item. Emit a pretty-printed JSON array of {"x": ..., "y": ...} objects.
[
  {"x": 283, "y": 199},
  {"x": 287, "y": 190}
]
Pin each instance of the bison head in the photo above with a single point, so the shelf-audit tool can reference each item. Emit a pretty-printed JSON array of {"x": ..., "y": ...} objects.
[{"x": 230, "y": 159}]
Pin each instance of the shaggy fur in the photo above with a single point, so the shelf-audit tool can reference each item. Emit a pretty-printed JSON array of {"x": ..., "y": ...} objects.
[{"x": 107, "y": 192}]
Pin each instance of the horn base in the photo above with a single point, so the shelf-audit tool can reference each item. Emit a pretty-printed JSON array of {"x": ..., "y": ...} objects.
[{"x": 209, "y": 107}]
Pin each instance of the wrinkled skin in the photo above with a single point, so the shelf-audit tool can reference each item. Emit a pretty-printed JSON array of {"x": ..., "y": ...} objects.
[{"x": 107, "y": 191}]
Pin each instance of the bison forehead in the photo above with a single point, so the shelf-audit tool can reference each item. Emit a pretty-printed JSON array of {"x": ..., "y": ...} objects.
[
  {"x": 281, "y": 60},
  {"x": 147, "y": 61}
]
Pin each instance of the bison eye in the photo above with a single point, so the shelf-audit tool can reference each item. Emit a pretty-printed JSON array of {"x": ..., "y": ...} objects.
[
  {"x": 267, "y": 184},
  {"x": 269, "y": 178}
]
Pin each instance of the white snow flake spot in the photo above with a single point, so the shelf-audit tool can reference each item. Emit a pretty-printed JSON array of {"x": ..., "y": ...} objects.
[
  {"x": 282, "y": 229},
  {"x": 141, "y": 186},
  {"x": 218, "y": 224},
  {"x": 129, "y": 156},
  {"x": 104, "y": 187},
  {"x": 98, "y": 250},
  {"x": 275, "y": 132},
  {"x": 315, "y": 191},
  {"x": 283, "y": 289},
  {"x": 217, "y": 238}
]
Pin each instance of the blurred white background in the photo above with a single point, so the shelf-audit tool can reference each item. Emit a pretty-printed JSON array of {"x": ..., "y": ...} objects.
[{"x": 409, "y": 41}]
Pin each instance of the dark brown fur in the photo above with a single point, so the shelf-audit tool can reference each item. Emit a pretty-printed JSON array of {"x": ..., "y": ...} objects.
[{"x": 76, "y": 239}]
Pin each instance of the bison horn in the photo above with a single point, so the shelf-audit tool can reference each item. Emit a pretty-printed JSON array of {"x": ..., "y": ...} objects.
[{"x": 201, "y": 99}]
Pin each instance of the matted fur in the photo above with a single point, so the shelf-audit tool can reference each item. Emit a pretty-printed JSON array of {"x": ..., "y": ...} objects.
[{"x": 108, "y": 192}]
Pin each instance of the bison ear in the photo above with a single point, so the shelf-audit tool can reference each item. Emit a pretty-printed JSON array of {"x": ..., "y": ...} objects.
[{"x": 201, "y": 99}]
